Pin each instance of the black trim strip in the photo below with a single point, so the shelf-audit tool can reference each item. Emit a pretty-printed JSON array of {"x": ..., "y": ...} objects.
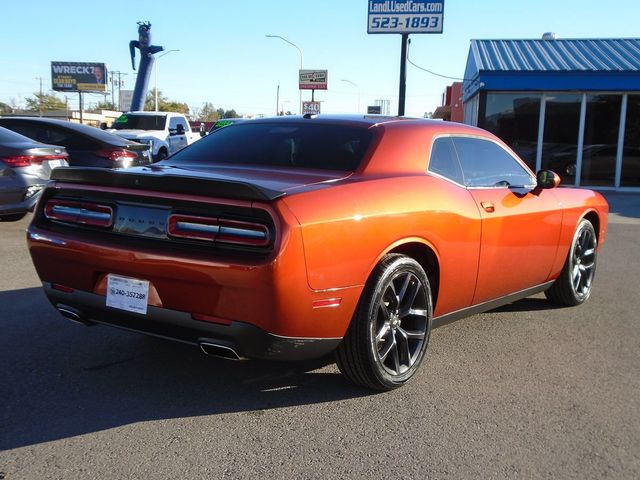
[
  {"x": 490, "y": 305},
  {"x": 165, "y": 183}
]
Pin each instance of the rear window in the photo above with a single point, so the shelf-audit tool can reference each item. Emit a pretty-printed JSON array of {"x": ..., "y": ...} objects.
[
  {"x": 326, "y": 147},
  {"x": 140, "y": 122},
  {"x": 9, "y": 136}
]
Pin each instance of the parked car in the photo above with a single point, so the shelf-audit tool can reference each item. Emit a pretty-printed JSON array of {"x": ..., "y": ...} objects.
[
  {"x": 293, "y": 237},
  {"x": 25, "y": 167},
  {"x": 225, "y": 122},
  {"x": 87, "y": 146},
  {"x": 164, "y": 132}
]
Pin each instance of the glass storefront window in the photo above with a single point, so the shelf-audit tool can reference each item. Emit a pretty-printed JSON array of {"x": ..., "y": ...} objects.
[
  {"x": 600, "y": 144},
  {"x": 630, "y": 175},
  {"x": 560, "y": 139},
  {"x": 513, "y": 117}
]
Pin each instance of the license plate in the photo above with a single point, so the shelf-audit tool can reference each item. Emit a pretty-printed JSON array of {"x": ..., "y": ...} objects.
[
  {"x": 128, "y": 294},
  {"x": 56, "y": 163}
]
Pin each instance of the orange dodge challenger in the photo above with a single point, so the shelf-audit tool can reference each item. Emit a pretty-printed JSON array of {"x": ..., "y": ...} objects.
[{"x": 292, "y": 237}]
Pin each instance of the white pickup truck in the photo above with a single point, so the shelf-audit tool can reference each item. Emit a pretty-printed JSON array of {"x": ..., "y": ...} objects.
[{"x": 164, "y": 132}]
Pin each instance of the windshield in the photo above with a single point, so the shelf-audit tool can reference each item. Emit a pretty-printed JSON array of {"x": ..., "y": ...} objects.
[
  {"x": 327, "y": 147},
  {"x": 140, "y": 122}
]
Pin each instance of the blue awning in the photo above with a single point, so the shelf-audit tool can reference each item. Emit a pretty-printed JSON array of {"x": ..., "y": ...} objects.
[{"x": 607, "y": 64}]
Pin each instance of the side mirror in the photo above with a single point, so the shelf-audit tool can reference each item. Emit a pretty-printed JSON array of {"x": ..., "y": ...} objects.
[
  {"x": 180, "y": 129},
  {"x": 547, "y": 179}
]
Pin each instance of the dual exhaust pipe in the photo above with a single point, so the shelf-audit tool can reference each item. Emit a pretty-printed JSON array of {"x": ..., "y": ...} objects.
[{"x": 208, "y": 347}]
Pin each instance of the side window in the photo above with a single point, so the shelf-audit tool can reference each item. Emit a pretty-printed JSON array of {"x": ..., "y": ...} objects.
[
  {"x": 444, "y": 160},
  {"x": 27, "y": 130},
  {"x": 71, "y": 140},
  {"x": 485, "y": 164},
  {"x": 173, "y": 123}
]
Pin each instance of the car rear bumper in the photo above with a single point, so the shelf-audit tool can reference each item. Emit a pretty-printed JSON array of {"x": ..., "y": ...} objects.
[
  {"x": 24, "y": 206},
  {"x": 239, "y": 339}
]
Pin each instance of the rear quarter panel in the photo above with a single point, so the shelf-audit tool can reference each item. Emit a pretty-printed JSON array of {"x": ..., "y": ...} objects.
[{"x": 347, "y": 228}]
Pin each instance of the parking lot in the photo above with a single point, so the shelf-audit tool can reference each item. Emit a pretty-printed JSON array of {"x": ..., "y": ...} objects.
[{"x": 525, "y": 391}]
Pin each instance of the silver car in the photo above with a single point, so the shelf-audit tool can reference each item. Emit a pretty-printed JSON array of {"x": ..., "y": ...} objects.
[{"x": 25, "y": 168}]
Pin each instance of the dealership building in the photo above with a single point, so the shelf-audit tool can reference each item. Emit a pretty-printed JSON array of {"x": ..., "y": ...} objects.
[{"x": 572, "y": 106}]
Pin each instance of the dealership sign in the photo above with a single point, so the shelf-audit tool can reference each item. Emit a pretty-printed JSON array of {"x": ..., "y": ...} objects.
[
  {"x": 405, "y": 16},
  {"x": 313, "y": 79},
  {"x": 78, "y": 77},
  {"x": 312, "y": 108}
]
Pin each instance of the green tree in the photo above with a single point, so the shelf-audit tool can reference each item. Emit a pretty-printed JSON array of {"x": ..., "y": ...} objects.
[
  {"x": 45, "y": 101},
  {"x": 106, "y": 106},
  {"x": 5, "y": 109},
  {"x": 230, "y": 114},
  {"x": 164, "y": 104},
  {"x": 208, "y": 113}
]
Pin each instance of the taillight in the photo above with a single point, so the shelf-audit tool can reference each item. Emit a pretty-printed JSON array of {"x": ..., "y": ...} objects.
[
  {"x": 117, "y": 155},
  {"x": 18, "y": 160},
  {"x": 218, "y": 230},
  {"x": 15, "y": 161},
  {"x": 79, "y": 212}
]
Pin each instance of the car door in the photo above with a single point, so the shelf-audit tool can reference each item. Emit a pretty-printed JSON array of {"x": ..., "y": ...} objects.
[
  {"x": 181, "y": 127},
  {"x": 177, "y": 136},
  {"x": 520, "y": 224},
  {"x": 456, "y": 225}
]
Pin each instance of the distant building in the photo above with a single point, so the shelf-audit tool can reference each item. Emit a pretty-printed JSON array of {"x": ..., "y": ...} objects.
[
  {"x": 572, "y": 106},
  {"x": 451, "y": 109}
]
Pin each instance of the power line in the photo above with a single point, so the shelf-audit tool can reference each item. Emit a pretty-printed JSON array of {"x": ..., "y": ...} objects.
[{"x": 431, "y": 72}]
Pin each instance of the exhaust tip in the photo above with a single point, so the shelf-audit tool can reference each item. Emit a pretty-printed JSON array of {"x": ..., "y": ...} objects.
[
  {"x": 220, "y": 351},
  {"x": 73, "y": 314}
]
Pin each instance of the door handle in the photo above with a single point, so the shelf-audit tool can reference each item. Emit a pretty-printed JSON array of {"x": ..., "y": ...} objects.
[{"x": 488, "y": 206}]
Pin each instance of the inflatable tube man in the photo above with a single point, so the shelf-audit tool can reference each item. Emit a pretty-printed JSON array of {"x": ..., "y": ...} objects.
[{"x": 146, "y": 63}]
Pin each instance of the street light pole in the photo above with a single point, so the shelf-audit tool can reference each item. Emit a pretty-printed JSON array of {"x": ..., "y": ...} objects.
[
  {"x": 301, "y": 61},
  {"x": 355, "y": 85},
  {"x": 158, "y": 57}
]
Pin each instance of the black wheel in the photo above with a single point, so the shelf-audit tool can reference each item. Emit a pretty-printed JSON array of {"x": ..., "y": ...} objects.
[
  {"x": 14, "y": 217},
  {"x": 573, "y": 286},
  {"x": 390, "y": 330},
  {"x": 162, "y": 154}
]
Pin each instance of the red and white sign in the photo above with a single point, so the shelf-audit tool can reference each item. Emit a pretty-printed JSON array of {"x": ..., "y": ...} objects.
[
  {"x": 312, "y": 108},
  {"x": 313, "y": 79}
]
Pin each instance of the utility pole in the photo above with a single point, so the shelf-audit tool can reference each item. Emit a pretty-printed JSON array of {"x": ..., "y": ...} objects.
[
  {"x": 40, "y": 97},
  {"x": 119, "y": 73},
  {"x": 278, "y": 100},
  {"x": 113, "y": 100}
]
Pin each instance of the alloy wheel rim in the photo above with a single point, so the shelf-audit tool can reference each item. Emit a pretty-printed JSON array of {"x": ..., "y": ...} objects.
[
  {"x": 400, "y": 324},
  {"x": 583, "y": 262}
]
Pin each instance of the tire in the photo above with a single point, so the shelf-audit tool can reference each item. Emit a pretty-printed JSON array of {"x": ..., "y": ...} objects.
[
  {"x": 14, "y": 217},
  {"x": 573, "y": 286},
  {"x": 162, "y": 154},
  {"x": 389, "y": 333}
]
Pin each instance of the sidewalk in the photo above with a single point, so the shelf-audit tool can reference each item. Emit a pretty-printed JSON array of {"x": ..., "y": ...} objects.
[{"x": 623, "y": 207}]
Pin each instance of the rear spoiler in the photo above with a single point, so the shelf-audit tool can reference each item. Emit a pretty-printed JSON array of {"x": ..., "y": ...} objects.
[{"x": 163, "y": 182}]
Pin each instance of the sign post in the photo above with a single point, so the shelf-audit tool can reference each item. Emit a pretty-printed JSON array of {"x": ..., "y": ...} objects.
[
  {"x": 405, "y": 17},
  {"x": 313, "y": 80}
]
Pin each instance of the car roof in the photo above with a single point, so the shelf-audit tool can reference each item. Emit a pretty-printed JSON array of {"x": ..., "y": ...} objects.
[
  {"x": 79, "y": 128},
  {"x": 356, "y": 120},
  {"x": 149, "y": 114}
]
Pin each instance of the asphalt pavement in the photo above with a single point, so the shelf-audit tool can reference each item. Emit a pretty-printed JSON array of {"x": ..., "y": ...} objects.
[{"x": 526, "y": 391}]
